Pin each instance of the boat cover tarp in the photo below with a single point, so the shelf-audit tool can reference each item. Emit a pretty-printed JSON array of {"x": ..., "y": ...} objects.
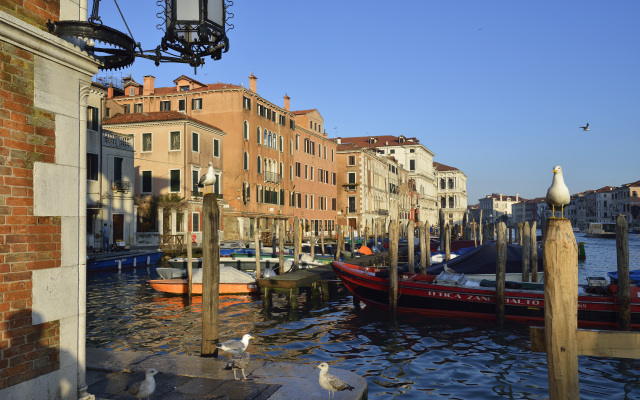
[
  {"x": 482, "y": 260},
  {"x": 227, "y": 275}
]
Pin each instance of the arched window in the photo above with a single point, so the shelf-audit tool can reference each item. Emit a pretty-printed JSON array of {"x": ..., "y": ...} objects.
[
  {"x": 246, "y": 130},
  {"x": 281, "y": 144},
  {"x": 246, "y": 161},
  {"x": 246, "y": 193},
  {"x": 264, "y": 134},
  {"x": 281, "y": 171},
  {"x": 258, "y": 196},
  {"x": 259, "y": 136},
  {"x": 269, "y": 142},
  {"x": 259, "y": 164}
]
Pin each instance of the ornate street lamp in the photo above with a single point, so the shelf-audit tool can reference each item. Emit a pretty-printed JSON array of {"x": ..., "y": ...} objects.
[{"x": 194, "y": 30}]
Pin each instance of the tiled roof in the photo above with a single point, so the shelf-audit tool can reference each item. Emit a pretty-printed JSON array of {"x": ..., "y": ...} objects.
[
  {"x": 157, "y": 116},
  {"x": 188, "y": 79},
  {"x": 381, "y": 141},
  {"x": 442, "y": 167},
  {"x": 302, "y": 112}
]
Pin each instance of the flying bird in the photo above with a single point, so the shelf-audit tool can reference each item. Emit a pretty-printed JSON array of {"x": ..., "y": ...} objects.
[
  {"x": 238, "y": 362},
  {"x": 558, "y": 193},
  {"x": 585, "y": 128},
  {"x": 144, "y": 389},
  {"x": 235, "y": 346},
  {"x": 331, "y": 382},
  {"x": 209, "y": 178}
]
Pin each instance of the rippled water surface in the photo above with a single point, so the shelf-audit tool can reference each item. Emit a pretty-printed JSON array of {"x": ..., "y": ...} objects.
[{"x": 410, "y": 359}]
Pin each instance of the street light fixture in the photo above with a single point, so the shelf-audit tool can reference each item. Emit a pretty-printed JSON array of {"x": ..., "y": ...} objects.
[{"x": 194, "y": 30}]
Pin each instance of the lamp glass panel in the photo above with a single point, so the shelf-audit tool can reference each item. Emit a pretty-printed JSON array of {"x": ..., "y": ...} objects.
[
  {"x": 215, "y": 10},
  {"x": 187, "y": 10}
]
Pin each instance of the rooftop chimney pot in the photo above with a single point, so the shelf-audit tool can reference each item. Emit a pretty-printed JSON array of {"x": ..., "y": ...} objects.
[{"x": 253, "y": 83}]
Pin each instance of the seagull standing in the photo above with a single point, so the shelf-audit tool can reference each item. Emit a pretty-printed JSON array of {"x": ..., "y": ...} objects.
[
  {"x": 238, "y": 362},
  {"x": 558, "y": 193},
  {"x": 144, "y": 389},
  {"x": 209, "y": 178},
  {"x": 331, "y": 382},
  {"x": 585, "y": 128},
  {"x": 235, "y": 346}
]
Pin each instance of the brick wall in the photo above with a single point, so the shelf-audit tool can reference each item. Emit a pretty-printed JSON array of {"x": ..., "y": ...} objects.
[
  {"x": 34, "y": 12},
  {"x": 27, "y": 242}
]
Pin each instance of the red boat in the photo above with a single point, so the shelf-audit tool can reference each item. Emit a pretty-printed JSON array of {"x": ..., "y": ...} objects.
[{"x": 452, "y": 295}]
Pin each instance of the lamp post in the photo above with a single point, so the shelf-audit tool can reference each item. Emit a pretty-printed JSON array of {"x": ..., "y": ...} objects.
[{"x": 193, "y": 31}]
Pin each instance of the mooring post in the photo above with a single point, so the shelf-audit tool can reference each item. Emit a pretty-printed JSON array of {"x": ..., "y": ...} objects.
[
  {"x": 441, "y": 228},
  {"x": 423, "y": 247},
  {"x": 520, "y": 227},
  {"x": 352, "y": 244},
  {"x": 622, "y": 252},
  {"x": 393, "y": 268},
  {"x": 501, "y": 269},
  {"x": 427, "y": 239},
  {"x": 526, "y": 251},
  {"x": 281, "y": 246},
  {"x": 256, "y": 240},
  {"x": 534, "y": 253},
  {"x": 274, "y": 232},
  {"x": 447, "y": 242},
  {"x": 312, "y": 243},
  {"x": 210, "y": 275},
  {"x": 322, "y": 240},
  {"x": 510, "y": 234},
  {"x": 189, "y": 265},
  {"x": 480, "y": 229},
  {"x": 561, "y": 309},
  {"x": 338, "y": 243},
  {"x": 411, "y": 245},
  {"x": 296, "y": 246}
]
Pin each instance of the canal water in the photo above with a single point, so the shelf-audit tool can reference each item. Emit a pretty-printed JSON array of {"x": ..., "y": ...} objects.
[{"x": 412, "y": 358}]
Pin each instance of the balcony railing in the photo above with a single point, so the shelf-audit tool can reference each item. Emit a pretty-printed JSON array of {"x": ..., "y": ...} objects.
[
  {"x": 349, "y": 187},
  {"x": 121, "y": 186},
  {"x": 116, "y": 140},
  {"x": 271, "y": 177},
  {"x": 382, "y": 212}
]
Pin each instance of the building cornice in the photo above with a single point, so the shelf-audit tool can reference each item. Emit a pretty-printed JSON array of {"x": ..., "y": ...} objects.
[
  {"x": 46, "y": 45},
  {"x": 163, "y": 123}
]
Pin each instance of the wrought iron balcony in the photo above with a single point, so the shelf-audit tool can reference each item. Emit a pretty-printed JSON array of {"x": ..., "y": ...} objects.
[{"x": 121, "y": 186}]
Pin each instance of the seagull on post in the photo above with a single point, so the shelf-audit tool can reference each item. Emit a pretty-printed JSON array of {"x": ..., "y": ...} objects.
[
  {"x": 209, "y": 178},
  {"x": 558, "y": 193},
  {"x": 585, "y": 128}
]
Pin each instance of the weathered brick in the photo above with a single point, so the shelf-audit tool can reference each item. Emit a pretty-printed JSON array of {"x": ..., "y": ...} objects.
[
  {"x": 17, "y": 276},
  {"x": 20, "y": 257}
]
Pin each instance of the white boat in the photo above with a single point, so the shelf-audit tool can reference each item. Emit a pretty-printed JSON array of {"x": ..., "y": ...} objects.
[{"x": 604, "y": 230}]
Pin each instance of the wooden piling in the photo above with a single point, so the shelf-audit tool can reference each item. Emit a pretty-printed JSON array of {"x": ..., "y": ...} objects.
[
  {"x": 210, "y": 275},
  {"x": 296, "y": 244},
  {"x": 393, "y": 268},
  {"x": 501, "y": 269},
  {"x": 422, "y": 228},
  {"x": 510, "y": 234},
  {"x": 312, "y": 244},
  {"x": 526, "y": 251},
  {"x": 447, "y": 242},
  {"x": 256, "y": 241},
  {"x": 441, "y": 228},
  {"x": 281, "y": 246},
  {"x": 520, "y": 227},
  {"x": 411, "y": 246},
  {"x": 338, "y": 243},
  {"x": 322, "y": 241},
  {"x": 352, "y": 244},
  {"x": 480, "y": 229},
  {"x": 427, "y": 239},
  {"x": 189, "y": 266},
  {"x": 560, "y": 309},
  {"x": 534, "y": 253},
  {"x": 622, "y": 252}
]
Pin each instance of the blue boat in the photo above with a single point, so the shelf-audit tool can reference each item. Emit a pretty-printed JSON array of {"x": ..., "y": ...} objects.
[
  {"x": 634, "y": 276},
  {"x": 121, "y": 260}
]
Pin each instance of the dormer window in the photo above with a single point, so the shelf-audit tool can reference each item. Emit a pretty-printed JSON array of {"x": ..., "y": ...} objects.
[
  {"x": 184, "y": 88},
  {"x": 132, "y": 91},
  {"x": 372, "y": 140},
  {"x": 401, "y": 139}
]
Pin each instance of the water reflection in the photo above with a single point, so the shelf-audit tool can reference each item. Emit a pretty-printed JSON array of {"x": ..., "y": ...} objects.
[{"x": 411, "y": 358}]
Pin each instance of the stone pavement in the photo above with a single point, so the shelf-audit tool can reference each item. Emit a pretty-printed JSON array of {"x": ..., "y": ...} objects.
[{"x": 109, "y": 373}]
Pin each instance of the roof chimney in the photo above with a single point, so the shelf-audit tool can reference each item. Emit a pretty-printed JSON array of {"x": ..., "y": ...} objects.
[
  {"x": 338, "y": 140},
  {"x": 517, "y": 196},
  {"x": 500, "y": 196},
  {"x": 110, "y": 92},
  {"x": 149, "y": 82},
  {"x": 253, "y": 83},
  {"x": 287, "y": 102}
]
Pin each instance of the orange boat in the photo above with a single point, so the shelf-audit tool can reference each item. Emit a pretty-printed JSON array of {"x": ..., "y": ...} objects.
[{"x": 181, "y": 286}]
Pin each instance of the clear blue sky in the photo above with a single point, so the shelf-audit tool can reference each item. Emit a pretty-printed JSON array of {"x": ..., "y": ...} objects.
[{"x": 496, "y": 88}]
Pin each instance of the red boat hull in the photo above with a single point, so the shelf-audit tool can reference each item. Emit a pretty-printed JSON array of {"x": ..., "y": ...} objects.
[
  {"x": 418, "y": 294},
  {"x": 180, "y": 286}
]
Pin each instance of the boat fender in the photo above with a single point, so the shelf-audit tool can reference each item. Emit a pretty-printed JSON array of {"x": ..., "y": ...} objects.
[
  {"x": 119, "y": 265},
  {"x": 148, "y": 260},
  {"x": 135, "y": 262}
]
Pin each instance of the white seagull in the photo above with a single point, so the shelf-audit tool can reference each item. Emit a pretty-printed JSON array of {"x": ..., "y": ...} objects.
[
  {"x": 235, "y": 346},
  {"x": 585, "y": 128},
  {"x": 238, "y": 362},
  {"x": 209, "y": 178},
  {"x": 144, "y": 389},
  {"x": 331, "y": 382},
  {"x": 558, "y": 193}
]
